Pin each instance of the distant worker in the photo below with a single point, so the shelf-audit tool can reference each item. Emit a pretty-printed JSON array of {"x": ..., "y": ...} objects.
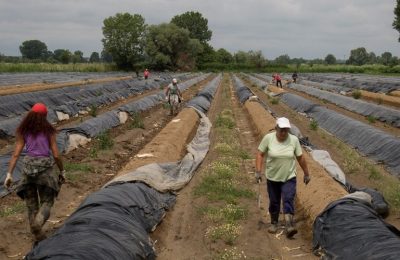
[
  {"x": 280, "y": 149},
  {"x": 40, "y": 182},
  {"x": 146, "y": 74},
  {"x": 294, "y": 77},
  {"x": 173, "y": 95},
  {"x": 278, "y": 80}
]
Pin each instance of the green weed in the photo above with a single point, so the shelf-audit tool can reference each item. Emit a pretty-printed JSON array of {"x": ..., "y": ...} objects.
[
  {"x": 105, "y": 141},
  {"x": 137, "y": 121},
  {"x": 356, "y": 94},
  {"x": 72, "y": 167},
  {"x": 16, "y": 208},
  {"x": 93, "y": 110},
  {"x": 371, "y": 119},
  {"x": 274, "y": 101},
  {"x": 313, "y": 125}
]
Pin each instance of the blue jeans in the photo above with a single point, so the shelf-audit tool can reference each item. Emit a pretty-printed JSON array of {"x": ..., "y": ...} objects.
[{"x": 281, "y": 190}]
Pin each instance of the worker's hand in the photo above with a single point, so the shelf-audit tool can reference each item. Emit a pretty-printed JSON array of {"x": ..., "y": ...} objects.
[
  {"x": 61, "y": 177},
  {"x": 258, "y": 177},
  {"x": 306, "y": 179},
  {"x": 8, "y": 181},
  {"x": 166, "y": 98}
]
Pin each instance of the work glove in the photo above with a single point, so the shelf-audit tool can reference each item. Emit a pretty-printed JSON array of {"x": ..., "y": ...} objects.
[
  {"x": 166, "y": 98},
  {"x": 306, "y": 179},
  {"x": 258, "y": 177},
  {"x": 61, "y": 177},
  {"x": 8, "y": 181}
]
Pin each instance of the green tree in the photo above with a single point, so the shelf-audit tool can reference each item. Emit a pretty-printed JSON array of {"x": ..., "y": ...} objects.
[
  {"x": 208, "y": 54},
  {"x": 372, "y": 59},
  {"x": 33, "y": 49},
  {"x": 396, "y": 22},
  {"x": 106, "y": 56},
  {"x": 241, "y": 57},
  {"x": 283, "y": 59},
  {"x": 386, "y": 58},
  {"x": 358, "y": 56},
  {"x": 94, "y": 57},
  {"x": 77, "y": 57},
  {"x": 223, "y": 56},
  {"x": 170, "y": 47},
  {"x": 330, "y": 59},
  {"x": 257, "y": 59},
  {"x": 124, "y": 37},
  {"x": 64, "y": 56},
  {"x": 195, "y": 23}
]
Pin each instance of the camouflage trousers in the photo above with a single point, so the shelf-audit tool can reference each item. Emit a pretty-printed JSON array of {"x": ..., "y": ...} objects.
[{"x": 39, "y": 186}]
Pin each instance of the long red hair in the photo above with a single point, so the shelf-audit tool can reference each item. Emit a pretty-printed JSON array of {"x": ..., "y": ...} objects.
[{"x": 35, "y": 123}]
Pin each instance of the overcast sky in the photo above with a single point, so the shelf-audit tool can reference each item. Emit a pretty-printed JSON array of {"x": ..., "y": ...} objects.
[{"x": 299, "y": 28}]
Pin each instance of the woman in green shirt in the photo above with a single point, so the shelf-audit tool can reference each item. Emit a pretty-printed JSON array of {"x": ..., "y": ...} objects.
[{"x": 281, "y": 150}]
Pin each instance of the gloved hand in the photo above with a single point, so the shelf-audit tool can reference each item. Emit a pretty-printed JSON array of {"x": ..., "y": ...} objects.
[
  {"x": 166, "y": 98},
  {"x": 258, "y": 177},
  {"x": 8, "y": 181},
  {"x": 61, "y": 177},
  {"x": 306, "y": 179}
]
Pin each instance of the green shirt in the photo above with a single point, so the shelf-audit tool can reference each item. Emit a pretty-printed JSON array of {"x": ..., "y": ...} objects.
[{"x": 281, "y": 157}]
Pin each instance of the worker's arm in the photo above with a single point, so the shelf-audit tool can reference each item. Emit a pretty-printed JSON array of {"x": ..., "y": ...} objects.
[
  {"x": 56, "y": 154},
  {"x": 259, "y": 165},
  {"x": 303, "y": 164},
  {"x": 20, "y": 143}
]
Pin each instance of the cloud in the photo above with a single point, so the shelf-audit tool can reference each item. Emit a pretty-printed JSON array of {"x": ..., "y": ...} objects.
[{"x": 308, "y": 28}]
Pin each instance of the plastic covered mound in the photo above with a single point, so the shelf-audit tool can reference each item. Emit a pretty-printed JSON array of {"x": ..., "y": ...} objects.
[
  {"x": 378, "y": 145},
  {"x": 202, "y": 101},
  {"x": 350, "y": 229},
  {"x": 381, "y": 113},
  {"x": 365, "y": 82},
  {"x": 112, "y": 223},
  {"x": 92, "y": 127},
  {"x": 242, "y": 91}
]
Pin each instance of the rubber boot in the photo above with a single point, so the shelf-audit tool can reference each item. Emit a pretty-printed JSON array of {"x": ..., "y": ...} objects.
[
  {"x": 274, "y": 223},
  {"x": 290, "y": 229}
]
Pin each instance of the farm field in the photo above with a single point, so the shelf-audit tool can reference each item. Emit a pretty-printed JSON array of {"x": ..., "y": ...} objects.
[{"x": 197, "y": 220}]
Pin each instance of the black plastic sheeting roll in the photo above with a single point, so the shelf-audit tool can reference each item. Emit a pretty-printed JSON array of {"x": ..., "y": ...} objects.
[
  {"x": 242, "y": 91},
  {"x": 381, "y": 113},
  {"x": 350, "y": 229},
  {"x": 112, "y": 223},
  {"x": 378, "y": 145}
]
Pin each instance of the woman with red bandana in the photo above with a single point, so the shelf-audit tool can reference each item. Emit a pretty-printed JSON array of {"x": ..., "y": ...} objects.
[{"x": 40, "y": 182}]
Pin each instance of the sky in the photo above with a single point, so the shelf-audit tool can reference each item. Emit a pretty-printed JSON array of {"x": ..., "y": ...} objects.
[{"x": 298, "y": 28}]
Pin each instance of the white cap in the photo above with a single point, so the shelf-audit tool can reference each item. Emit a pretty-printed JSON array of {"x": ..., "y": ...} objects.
[
  {"x": 283, "y": 122},
  {"x": 174, "y": 80}
]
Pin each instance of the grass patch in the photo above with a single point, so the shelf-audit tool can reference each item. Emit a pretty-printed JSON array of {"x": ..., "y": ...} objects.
[
  {"x": 374, "y": 174},
  {"x": 243, "y": 154},
  {"x": 274, "y": 101},
  {"x": 313, "y": 125},
  {"x": 225, "y": 121},
  {"x": 137, "y": 121},
  {"x": 229, "y": 213},
  {"x": 356, "y": 94},
  {"x": 220, "y": 185},
  {"x": 16, "y": 208},
  {"x": 371, "y": 119},
  {"x": 231, "y": 254},
  {"x": 74, "y": 167},
  {"x": 227, "y": 232},
  {"x": 104, "y": 141},
  {"x": 93, "y": 110}
]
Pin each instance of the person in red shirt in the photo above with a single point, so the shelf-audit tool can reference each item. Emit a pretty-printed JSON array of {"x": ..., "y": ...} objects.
[
  {"x": 146, "y": 74},
  {"x": 278, "y": 79}
]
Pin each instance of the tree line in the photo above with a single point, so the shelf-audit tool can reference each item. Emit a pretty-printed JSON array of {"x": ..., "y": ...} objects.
[{"x": 182, "y": 44}]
